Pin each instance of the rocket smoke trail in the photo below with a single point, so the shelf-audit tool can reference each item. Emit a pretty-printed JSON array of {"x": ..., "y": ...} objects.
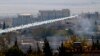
[{"x": 34, "y": 24}]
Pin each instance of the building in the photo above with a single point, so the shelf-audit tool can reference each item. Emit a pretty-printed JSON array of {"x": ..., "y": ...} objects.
[
  {"x": 22, "y": 19},
  {"x": 53, "y": 14}
]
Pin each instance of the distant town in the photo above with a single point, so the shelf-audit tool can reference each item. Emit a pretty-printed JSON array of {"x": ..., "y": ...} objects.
[{"x": 70, "y": 37}]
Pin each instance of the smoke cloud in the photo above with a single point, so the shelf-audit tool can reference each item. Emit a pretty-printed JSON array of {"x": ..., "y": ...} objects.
[
  {"x": 84, "y": 26},
  {"x": 55, "y": 41}
]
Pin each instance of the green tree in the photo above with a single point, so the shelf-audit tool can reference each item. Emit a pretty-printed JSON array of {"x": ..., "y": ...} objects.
[
  {"x": 4, "y": 25},
  {"x": 14, "y": 51},
  {"x": 46, "y": 48},
  {"x": 70, "y": 32},
  {"x": 62, "y": 50},
  {"x": 29, "y": 52},
  {"x": 39, "y": 52}
]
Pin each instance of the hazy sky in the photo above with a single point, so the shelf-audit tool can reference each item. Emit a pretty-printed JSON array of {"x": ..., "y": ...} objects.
[{"x": 32, "y": 6}]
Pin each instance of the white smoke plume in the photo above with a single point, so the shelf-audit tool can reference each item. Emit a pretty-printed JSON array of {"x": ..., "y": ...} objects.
[
  {"x": 55, "y": 41},
  {"x": 34, "y": 24},
  {"x": 84, "y": 26}
]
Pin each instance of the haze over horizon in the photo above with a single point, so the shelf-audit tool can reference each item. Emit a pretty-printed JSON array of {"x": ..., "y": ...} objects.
[{"x": 32, "y": 6}]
